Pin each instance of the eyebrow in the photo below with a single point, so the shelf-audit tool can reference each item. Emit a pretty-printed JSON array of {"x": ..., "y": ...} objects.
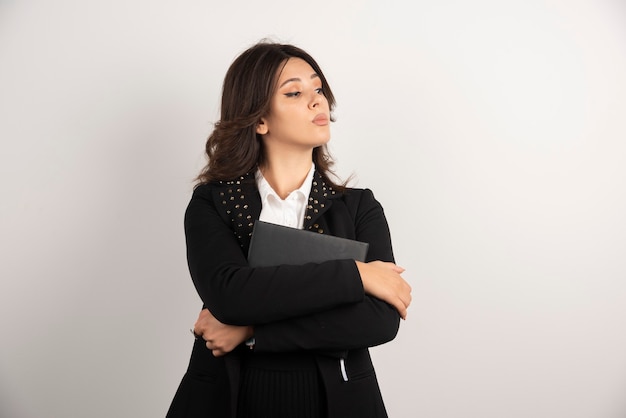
[{"x": 314, "y": 75}]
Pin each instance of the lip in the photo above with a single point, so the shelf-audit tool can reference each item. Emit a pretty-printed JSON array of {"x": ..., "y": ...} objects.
[{"x": 321, "y": 120}]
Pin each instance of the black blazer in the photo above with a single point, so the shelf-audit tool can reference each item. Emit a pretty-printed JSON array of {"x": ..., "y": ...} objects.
[{"x": 317, "y": 307}]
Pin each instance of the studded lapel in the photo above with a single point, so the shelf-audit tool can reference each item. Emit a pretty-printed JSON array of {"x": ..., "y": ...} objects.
[
  {"x": 239, "y": 202},
  {"x": 320, "y": 200}
]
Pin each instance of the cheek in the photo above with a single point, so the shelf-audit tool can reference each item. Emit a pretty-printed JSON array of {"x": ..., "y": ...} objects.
[
  {"x": 325, "y": 102},
  {"x": 280, "y": 112}
]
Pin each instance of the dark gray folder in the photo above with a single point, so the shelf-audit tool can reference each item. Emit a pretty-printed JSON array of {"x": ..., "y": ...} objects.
[{"x": 273, "y": 245}]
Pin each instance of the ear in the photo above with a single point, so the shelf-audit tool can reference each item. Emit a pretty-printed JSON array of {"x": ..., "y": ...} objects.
[{"x": 262, "y": 128}]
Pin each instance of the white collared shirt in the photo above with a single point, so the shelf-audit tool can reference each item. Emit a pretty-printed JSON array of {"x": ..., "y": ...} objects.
[{"x": 288, "y": 212}]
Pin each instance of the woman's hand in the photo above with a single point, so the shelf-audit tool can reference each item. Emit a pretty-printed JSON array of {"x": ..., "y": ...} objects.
[
  {"x": 220, "y": 338},
  {"x": 383, "y": 281}
]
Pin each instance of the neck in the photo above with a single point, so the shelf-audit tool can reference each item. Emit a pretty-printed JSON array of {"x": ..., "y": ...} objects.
[{"x": 286, "y": 173}]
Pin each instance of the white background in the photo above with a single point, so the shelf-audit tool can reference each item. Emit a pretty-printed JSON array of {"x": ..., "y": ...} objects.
[{"x": 493, "y": 133}]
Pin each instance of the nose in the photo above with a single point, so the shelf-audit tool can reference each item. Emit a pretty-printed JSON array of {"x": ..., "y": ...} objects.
[{"x": 315, "y": 100}]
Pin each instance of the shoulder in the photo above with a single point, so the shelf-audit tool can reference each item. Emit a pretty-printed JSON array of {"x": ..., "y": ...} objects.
[
  {"x": 204, "y": 194},
  {"x": 205, "y": 205},
  {"x": 203, "y": 189},
  {"x": 360, "y": 202},
  {"x": 357, "y": 196}
]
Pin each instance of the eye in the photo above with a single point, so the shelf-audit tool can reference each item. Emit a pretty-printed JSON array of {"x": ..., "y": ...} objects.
[
  {"x": 320, "y": 90},
  {"x": 293, "y": 94}
]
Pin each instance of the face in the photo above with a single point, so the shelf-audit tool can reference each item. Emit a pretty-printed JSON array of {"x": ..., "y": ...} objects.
[{"x": 299, "y": 114}]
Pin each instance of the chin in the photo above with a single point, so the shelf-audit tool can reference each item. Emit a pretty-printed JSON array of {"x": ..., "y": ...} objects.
[{"x": 323, "y": 141}]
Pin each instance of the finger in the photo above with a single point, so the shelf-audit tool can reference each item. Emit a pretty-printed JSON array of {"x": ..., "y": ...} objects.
[
  {"x": 198, "y": 323},
  {"x": 402, "y": 313},
  {"x": 406, "y": 299},
  {"x": 399, "y": 305},
  {"x": 398, "y": 269}
]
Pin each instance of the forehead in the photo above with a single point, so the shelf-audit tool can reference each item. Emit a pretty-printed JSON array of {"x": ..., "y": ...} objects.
[{"x": 296, "y": 68}]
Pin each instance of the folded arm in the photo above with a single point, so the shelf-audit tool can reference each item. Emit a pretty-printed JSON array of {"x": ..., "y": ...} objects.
[
  {"x": 364, "y": 323},
  {"x": 240, "y": 295}
]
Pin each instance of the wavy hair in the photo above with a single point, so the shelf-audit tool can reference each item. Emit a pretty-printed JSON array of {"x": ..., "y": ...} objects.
[{"x": 234, "y": 148}]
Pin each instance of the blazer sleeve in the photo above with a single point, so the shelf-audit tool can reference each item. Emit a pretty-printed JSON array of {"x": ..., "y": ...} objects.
[
  {"x": 365, "y": 323},
  {"x": 237, "y": 294}
]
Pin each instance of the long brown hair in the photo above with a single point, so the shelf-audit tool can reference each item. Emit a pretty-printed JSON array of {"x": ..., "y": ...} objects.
[{"x": 234, "y": 148}]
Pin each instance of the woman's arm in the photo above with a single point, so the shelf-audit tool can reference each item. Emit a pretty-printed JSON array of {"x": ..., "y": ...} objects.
[
  {"x": 366, "y": 323},
  {"x": 361, "y": 325},
  {"x": 239, "y": 295},
  {"x": 220, "y": 338}
]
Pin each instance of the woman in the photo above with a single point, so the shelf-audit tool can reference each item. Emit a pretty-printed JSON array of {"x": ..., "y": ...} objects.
[{"x": 283, "y": 341}]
